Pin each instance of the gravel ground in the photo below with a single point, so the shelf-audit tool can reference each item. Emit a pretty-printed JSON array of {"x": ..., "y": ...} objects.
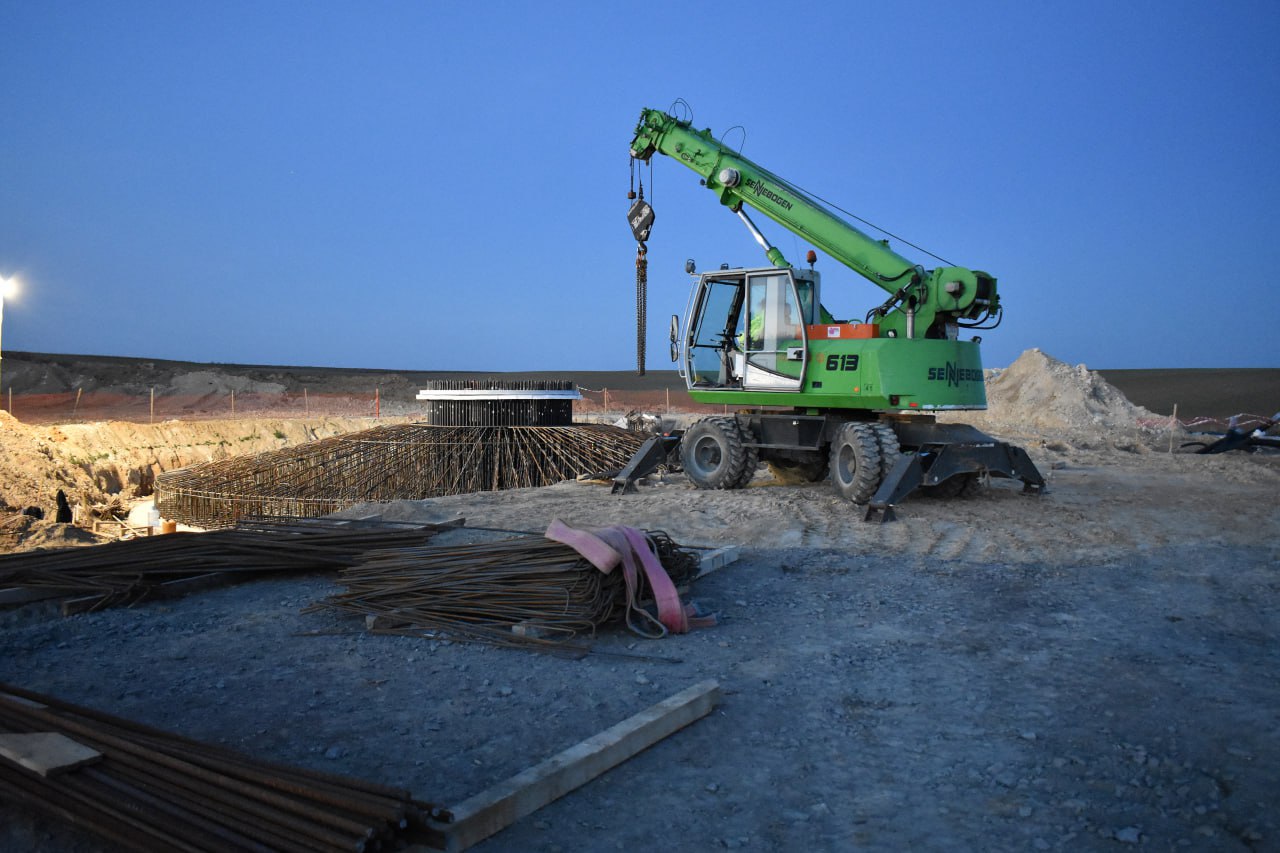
[
  {"x": 871, "y": 702},
  {"x": 1091, "y": 670}
]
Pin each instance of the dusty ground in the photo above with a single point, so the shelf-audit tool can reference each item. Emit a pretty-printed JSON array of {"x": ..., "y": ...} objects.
[{"x": 1091, "y": 669}]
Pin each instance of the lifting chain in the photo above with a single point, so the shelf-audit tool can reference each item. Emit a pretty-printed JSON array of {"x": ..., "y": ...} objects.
[
  {"x": 642, "y": 299},
  {"x": 640, "y": 217}
]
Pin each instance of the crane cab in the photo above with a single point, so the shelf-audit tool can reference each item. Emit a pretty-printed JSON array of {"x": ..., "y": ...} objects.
[
  {"x": 745, "y": 329},
  {"x": 760, "y": 337}
]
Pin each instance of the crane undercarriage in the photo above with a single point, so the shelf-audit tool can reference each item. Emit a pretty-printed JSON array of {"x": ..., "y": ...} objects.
[{"x": 874, "y": 463}]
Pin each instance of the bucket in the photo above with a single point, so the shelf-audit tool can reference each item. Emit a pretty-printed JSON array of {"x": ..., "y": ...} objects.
[{"x": 168, "y": 527}]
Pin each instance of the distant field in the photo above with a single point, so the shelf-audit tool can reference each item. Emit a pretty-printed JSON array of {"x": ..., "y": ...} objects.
[
  {"x": 1198, "y": 392},
  {"x": 1201, "y": 392}
]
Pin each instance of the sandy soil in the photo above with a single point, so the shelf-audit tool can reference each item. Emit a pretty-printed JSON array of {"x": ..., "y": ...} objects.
[
  {"x": 105, "y": 467},
  {"x": 1088, "y": 669}
]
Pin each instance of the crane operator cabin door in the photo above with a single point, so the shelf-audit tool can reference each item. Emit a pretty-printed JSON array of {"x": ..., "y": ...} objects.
[
  {"x": 774, "y": 339},
  {"x": 710, "y": 349}
]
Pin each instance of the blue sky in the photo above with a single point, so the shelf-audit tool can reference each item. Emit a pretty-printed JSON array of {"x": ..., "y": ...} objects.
[{"x": 442, "y": 185}]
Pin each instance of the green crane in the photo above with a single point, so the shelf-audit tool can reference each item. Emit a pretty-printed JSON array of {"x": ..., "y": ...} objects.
[
  {"x": 846, "y": 397},
  {"x": 928, "y": 302}
]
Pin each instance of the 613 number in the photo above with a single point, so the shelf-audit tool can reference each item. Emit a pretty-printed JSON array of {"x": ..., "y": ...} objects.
[{"x": 847, "y": 361}]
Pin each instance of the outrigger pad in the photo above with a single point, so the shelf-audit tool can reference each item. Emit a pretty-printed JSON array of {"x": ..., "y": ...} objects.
[
  {"x": 935, "y": 462},
  {"x": 650, "y": 455},
  {"x": 903, "y": 479}
]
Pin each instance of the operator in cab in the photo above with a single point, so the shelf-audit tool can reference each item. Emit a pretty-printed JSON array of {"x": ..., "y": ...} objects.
[{"x": 752, "y": 340}]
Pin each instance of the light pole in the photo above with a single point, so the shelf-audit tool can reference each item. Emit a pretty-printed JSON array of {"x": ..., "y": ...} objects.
[{"x": 7, "y": 287}]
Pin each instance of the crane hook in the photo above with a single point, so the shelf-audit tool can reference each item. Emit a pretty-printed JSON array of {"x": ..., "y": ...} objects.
[{"x": 640, "y": 217}]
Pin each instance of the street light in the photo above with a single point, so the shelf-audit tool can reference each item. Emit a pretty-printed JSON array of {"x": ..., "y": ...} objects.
[{"x": 8, "y": 286}]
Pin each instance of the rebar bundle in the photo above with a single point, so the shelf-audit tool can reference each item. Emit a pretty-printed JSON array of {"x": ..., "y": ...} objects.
[
  {"x": 403, "y": 462},
  {"x": 155, "y": 791},
  {"x": 527, "y": 581},
  {"x": 126, "y": 571},
  {"x": 506, "y": 591}
]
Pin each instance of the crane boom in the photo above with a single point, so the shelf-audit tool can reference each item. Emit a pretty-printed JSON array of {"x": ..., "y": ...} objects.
[{"x": 933, "y": 301}]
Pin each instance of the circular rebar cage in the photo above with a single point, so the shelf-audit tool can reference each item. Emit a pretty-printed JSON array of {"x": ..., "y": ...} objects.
[{"x": 499, "y": 402}]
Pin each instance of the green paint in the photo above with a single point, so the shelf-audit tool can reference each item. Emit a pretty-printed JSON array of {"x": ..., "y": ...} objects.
[{"x": 917, "y": 359}]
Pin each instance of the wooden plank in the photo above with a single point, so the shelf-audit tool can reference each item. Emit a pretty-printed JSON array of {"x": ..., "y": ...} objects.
[
  {"x": 717, "y": 559},
  {"x": 709, "y": 562},
  {"x": 385, "y": 622},
  {"x": 19, "y": 700},
  {"x": 493, "y": 810},
  {"x": 72, "y": 606},
  {"x": 24, "y": 595},
  {"x": 47, "y": 753}
]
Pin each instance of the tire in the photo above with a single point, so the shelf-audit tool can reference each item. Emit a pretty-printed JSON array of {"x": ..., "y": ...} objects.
[
  {"x": 974, "y": 484},
  {"x": 856, "y": 462},
  {"x": 890, "y": 449},
  {"x": 713, "y": 455},
  {"x": 750, "y": 455},
  {"x": 955, "y": 486}
]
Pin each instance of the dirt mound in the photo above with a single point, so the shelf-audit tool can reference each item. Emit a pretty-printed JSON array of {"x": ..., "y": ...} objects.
[
  {"x": 1039, "y": 392},
  {"x": 24, "y": 533},
  {"x": 29, "y": 474},
  {"x": 104, "y": 466},
  {"x": 50, "y": 534}
]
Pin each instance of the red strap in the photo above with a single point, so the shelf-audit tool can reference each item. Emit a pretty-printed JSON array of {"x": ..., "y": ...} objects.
[
  {"x": 670, "y": 612},
  {"x": 615, "y": 537},
  {"x": 592, "y": 548},
  {"x": 607, "y": 547}
]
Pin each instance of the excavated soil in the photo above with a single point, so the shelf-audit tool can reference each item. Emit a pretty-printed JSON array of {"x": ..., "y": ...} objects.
[
  {"x": 1090, "y": 669},
  {"x": 105, "y": 467},
  {"x": 1038, "y": 393}
]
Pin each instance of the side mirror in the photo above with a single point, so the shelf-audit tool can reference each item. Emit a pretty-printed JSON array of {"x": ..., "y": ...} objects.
[{"x": 675, "y": 337}]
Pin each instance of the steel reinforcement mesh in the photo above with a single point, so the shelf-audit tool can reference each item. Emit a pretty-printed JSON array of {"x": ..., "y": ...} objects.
[
  {"x": 400, "y": 462},
  {"x": 499, "y": 410}
]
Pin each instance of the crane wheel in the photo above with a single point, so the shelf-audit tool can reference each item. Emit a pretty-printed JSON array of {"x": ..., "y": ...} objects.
[
  {"x": 890, "y": 449},
  {"x": 713, "y": 456},
  {"x": 955, "y": 486},
  {"x": 750, "y": 455},
  {"x": 856, "y": 460}
]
